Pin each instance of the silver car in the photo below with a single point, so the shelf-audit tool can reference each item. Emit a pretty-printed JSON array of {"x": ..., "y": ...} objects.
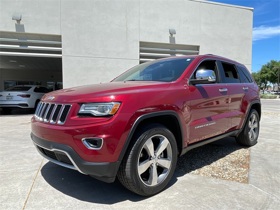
[{"x": 22, "y": 96}]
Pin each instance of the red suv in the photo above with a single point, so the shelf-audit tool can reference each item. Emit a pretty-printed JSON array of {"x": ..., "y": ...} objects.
[{"x": 136, "y": 126}]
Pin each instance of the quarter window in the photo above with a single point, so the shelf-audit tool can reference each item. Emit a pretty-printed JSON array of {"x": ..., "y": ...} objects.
[{"x": 245, "y": 75}]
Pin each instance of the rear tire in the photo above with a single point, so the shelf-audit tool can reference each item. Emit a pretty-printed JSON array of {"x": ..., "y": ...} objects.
[
  {"x": 250, "y": 133},
  {"x": 150, "y": 164}
]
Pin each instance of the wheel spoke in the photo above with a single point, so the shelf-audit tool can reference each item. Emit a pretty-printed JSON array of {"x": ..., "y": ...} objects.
[
  {"x": 143, "y": 166},
  {"x": 162, "y": 146},
  {"x": 153, "y": 175},
  {"x": 165, "y": 163},
  {"x": 155, "y": 160},
  {"x": 253, "y": 119},
  {"x": 250, "y": 134},
  {"x": 149, "y": 146},
  {"x": 253, "y": 134},
  {"x": 255, "y": 125}
]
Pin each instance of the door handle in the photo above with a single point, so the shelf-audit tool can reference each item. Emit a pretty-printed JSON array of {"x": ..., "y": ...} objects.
[
  {"x": 245, "y": 88},
  {"x": 223, "y": 89}
]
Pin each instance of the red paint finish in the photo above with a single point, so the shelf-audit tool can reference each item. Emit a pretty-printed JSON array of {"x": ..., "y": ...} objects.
[{"x": 201, "y": 110}]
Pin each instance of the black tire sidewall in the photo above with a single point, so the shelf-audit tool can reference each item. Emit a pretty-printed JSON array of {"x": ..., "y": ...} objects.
[
  {"x": 245, "y": 133},
  {"x": 159, "y": 130}
]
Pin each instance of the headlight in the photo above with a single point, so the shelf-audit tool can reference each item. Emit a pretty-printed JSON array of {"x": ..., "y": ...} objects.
[{"x": 100, "y": 109}]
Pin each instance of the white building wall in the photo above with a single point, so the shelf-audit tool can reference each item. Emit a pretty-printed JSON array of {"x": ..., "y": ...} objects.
[
  {"x": 218, "y": 29},
  {"x": 100, "y": 38},
  {"x": 41, "y": 16}
]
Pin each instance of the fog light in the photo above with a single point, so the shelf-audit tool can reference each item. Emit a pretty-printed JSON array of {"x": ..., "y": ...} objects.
[{"x": 93, "y": 143}]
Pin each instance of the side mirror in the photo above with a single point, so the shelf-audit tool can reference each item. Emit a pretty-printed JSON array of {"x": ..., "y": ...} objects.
[{"x": 204, "y": 76}]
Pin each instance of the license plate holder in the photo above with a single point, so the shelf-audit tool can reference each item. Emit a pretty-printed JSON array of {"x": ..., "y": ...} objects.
[{"x": 9, "y": 98}]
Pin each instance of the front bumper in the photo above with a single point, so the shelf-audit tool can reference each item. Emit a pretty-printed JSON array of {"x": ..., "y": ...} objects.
[{"x": 65, "y": 156}]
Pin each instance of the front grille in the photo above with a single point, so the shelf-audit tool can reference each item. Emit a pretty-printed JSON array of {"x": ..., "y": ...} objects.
[
  {"x": 56, "y": 155},
  {"x": 52, "y": 113}
]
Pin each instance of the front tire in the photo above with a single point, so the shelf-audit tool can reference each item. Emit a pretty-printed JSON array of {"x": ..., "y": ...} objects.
[
  {"x": 150, "y": 164},
  {"x": 250, "y": 133}
]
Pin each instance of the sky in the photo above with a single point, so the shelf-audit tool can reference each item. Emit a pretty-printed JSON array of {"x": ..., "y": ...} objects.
[{"x": 266, "y": 29}]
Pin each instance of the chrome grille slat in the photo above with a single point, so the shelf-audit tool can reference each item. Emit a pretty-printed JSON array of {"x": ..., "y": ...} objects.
[
  {"x": 63, "y": 114},
  {"x": 42, "y": 112},
  {"x": 46, "y": 111},
  {"x": 52, "y": 113},
  {"x": 38, "y": 109},
  {"x": 55, "y": 114}
]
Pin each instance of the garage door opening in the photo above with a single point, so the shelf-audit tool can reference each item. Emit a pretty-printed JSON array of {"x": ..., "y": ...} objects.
[{"x": 27, "y": 58}]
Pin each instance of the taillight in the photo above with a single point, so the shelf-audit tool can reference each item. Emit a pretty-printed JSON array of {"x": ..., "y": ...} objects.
[{"x": 24, "y": 95}]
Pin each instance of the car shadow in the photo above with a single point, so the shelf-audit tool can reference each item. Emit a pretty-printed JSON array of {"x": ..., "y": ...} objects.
[
  {"x": 16, "y": 112},
  {"x": 206, "y": 155},
  {"x": 86, "y": 188}
]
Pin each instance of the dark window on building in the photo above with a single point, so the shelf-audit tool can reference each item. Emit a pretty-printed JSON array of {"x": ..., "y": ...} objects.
[{"x": 19, "y": 88}]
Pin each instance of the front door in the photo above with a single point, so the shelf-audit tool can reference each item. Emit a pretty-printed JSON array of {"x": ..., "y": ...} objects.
[{"x": 208, "y": 106}]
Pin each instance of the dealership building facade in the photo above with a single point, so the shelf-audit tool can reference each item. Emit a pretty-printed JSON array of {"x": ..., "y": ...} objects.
[{"x": 79, "y": 42}]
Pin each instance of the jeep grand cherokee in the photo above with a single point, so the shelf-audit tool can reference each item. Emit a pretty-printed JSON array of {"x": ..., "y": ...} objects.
[{"x": 136, "y": 126}]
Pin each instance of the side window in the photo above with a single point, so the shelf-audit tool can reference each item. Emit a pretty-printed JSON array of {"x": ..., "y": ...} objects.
[
  {"x": 207, "y": 65},
  {"x": 244, "y": 75},
  {"x": 230, "y": 73}
]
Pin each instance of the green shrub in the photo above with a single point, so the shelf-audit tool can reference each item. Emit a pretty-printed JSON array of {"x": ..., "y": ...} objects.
[{"x": 268, "y": 96}]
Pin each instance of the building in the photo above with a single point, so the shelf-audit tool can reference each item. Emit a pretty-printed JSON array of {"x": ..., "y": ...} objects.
[{"x": 80, "y": 42}]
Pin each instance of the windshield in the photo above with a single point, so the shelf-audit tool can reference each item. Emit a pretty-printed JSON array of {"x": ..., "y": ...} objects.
[
  {"x": 163, "y": 70},
  {"x": 19, "y": 88}
]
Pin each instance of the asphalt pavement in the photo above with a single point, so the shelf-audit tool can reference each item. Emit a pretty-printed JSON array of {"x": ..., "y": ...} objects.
[{"x": 28, "y": 181}]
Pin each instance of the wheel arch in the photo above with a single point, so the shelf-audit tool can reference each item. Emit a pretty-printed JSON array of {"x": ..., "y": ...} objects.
[
  {"x": 169, "y": 119},
  {"x": 253, "y": 105},
  {"x": 257, "y": 107}
]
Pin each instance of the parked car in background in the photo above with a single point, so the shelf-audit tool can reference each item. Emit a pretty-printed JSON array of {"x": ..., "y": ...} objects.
[
  {"x": 135, "y": 127},
  {"x": 275, "y": 92},
  {"x": 21, "y": 96}
]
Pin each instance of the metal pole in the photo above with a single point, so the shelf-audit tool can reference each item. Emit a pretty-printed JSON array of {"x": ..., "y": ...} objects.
[{"x": 278, "y": 79}]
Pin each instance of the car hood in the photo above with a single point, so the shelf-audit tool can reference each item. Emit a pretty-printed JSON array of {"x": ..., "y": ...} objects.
[{"x": 103, "y": 92}]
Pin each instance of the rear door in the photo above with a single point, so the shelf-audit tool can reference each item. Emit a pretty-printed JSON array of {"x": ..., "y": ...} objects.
[
  {"x": 208, "y": 107},
  {"x": 237, "y": 90}
]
